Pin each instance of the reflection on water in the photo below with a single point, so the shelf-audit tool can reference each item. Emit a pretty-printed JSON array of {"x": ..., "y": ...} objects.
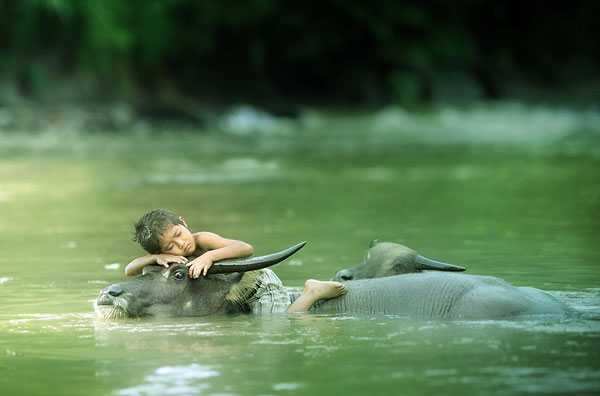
[
  {"x": 230, "y": 171},
  {"x": 174, "y": 380},
  {"x": 523, "y": 208}
]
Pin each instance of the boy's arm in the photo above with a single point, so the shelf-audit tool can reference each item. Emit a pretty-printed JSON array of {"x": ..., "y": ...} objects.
[
  {"x": 135, "y": 267},
  {"x": 217, "y": 248}
]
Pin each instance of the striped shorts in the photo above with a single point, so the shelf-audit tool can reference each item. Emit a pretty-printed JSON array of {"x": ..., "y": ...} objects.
[{"x": 271, "y": 296}]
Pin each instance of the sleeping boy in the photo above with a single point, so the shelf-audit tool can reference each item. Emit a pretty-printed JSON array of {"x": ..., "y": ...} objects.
[{"x": 166, "y": 238}]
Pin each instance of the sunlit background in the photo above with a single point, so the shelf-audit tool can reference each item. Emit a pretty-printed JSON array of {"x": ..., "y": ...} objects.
[{"x": 467, "y": 130}]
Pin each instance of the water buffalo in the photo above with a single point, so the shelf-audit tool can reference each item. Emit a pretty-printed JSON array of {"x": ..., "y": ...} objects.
[
  {"x": 171, "y": 292},
  {"x": 442, "y": 295},
  {"x": 388, "y": 259},
  {"x": 434, "y": 294}
]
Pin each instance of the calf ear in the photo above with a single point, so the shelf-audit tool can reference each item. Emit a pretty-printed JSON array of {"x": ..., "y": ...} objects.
[
  {"x": 373, "y": 243},
  {"x": 151, "y": 268}
]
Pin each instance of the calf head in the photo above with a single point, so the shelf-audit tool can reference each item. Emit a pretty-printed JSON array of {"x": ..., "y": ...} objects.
[{"x": 387, "y": 259}]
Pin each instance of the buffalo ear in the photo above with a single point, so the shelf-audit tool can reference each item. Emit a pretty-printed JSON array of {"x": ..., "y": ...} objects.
[{"x": 373, "y": 243}]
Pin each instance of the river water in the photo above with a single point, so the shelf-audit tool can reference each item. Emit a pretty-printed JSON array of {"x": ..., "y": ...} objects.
[{"x": 506, "y": 191}]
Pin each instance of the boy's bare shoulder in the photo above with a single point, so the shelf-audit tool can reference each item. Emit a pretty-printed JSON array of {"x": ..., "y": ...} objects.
[
  {"x": 203, "y": 235},
  {"x": 210, "y": 240},
  {"x": 207, "y": 240}
]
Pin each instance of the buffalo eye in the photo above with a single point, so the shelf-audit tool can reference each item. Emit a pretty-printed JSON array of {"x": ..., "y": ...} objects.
[
  {"x": 399, "y": 267},
  {"x": 179, "y": 275}
]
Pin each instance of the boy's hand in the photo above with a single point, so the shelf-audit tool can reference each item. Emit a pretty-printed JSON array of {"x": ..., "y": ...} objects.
[
  {"x": 165, "y": 259},
  {"x": 199, "y": 265}
]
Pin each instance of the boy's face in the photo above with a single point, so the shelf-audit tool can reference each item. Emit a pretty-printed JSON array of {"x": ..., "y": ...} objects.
[{"x": 177, "y": 240}]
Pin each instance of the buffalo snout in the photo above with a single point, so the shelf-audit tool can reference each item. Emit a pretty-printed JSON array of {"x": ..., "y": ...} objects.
[{"x": 109, "y": 293}]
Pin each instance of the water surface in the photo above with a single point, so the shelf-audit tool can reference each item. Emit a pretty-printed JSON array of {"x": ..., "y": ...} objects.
[{"x": 523, "y": 206}]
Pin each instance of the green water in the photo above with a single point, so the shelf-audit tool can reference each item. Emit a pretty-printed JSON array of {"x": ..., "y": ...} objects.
[{"x": 526, "y": 213}]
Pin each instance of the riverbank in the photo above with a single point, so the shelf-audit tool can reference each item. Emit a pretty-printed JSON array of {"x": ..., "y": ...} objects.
[{"x": 122, "y": 128}]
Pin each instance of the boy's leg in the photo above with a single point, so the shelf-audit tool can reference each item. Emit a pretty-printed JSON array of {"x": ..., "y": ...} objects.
[{"x": 314, "y": 291}]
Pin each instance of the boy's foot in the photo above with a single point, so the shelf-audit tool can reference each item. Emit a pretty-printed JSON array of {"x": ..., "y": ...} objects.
[{"x": 324, "y": 289}]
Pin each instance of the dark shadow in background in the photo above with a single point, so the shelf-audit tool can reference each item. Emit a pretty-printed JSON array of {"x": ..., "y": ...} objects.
[{"x": 279, "y": 54}]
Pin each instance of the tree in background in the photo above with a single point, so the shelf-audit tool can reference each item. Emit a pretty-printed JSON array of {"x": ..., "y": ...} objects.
[{"x": 317, "y": 52}]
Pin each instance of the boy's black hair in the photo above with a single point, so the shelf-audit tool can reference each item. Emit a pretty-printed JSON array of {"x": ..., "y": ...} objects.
[{"x": 151, "y": 226}]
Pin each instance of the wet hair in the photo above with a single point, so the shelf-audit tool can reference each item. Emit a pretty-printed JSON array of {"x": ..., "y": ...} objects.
[{"x": 151, "y": 226}]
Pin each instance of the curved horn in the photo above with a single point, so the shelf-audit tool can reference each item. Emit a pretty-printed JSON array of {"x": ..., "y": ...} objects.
[
  {"x": 254, "y": 263},
  {"x": 423, "y": 263}
]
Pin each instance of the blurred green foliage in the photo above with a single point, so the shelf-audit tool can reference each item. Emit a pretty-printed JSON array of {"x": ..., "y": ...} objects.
[{"x": 331, "y": 50}]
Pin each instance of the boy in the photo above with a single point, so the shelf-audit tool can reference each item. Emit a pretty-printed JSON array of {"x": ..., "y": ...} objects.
[{"x": 167, "y": 238}]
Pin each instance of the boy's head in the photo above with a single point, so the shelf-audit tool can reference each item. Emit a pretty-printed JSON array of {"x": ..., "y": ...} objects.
[{"x": 151, "y": 226}]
